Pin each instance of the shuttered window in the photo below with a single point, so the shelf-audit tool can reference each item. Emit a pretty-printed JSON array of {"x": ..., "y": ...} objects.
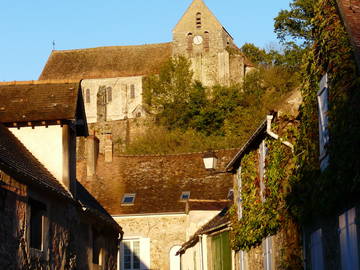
[
  {"x": 267, "y": 253},
  {"x": 239, "y": 196},
  {"x": 316, "y": 248},
  {"x": 262, "y": 156},
  {"x": 348, "y": 240},
  {"x": 322, "y": 97},
  {"x": 242, "y": 260}
]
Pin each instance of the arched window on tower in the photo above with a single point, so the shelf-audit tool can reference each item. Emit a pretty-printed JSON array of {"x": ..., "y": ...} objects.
[
  {"x": 206, "y": 41},
  {"x": 198, "y": 20},
  {"x": 190, "y": 42}
]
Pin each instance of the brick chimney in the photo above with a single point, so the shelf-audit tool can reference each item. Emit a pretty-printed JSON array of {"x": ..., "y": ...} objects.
[
  {"x": 92, "y": 152},
  {"x": 108, "y": 148}
]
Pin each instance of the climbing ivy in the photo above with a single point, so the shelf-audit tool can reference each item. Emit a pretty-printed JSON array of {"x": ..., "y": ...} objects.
[{"x": 313, "y": 192}]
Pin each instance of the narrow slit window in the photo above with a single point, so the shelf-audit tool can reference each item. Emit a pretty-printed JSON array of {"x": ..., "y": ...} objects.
[
  {"x": 132, "y": 91},
  {"x": 206, "y": 41},
  {"x": 109, "y": 94},
  {"x": 128, "y": 198},
  {"x": 37, "y": 217},
  {"x": 190, "y": 39},
  {"x": 87, "y": 95},
  {"x": 185, "y": 195}
]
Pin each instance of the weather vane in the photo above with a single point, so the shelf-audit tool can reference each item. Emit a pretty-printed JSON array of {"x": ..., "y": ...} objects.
[{"x": 53, "y": 44}]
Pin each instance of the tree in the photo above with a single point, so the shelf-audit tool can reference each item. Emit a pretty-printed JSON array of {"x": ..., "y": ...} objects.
[{"x": 295, "y": 24}]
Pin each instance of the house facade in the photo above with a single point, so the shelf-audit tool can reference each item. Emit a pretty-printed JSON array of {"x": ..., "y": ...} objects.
[
  {"x": 160, "y": 201},
  {"x": 264, "y": 235},
  {"x": 49, "y": 220},
  {"x": 112, "y": 76}
]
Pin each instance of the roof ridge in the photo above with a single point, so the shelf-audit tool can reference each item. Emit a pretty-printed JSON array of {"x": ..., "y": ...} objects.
[
  {"x": 36, "y": 82},
  {"x": 180, "y": 154},
  {"x": 109, "y": 47}
]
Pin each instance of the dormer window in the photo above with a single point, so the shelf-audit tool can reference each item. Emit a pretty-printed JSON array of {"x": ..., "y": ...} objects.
[
  {"x": 185, "y": 196},
  {"x": 128, "y": 198},
  {"x": 198, "y": 20}
]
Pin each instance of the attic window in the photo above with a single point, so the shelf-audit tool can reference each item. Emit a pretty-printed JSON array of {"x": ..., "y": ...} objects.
[
  {"x": 185, "y": 195},
  {"x": 128, "y": 198},
  {"x": 198, "y": 20}
]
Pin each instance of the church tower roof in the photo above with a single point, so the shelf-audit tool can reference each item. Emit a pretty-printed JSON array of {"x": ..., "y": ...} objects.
[{"x": 196, "y": 7}]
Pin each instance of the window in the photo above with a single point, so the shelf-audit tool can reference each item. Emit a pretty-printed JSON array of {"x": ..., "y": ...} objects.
[
  {"x": 322, "y": 98},
  {"x": 198, "y": 20},
  {"x": 239, "y": 198},
  {"x": 316, "y": 248},
  {"x": 348, "y": 240},
  {"x": 37, "y": 218},
  {"x": 206, "y": 41},
  {"x": 132, "y": 91},
  {"x": 267, "y": 253},
  {"x": 87, "y": 95},
  {"x": 262, "y": 157},
  {"x": 242, "y": 260},
  {"x": 109, "y": 94},
  {"x": 128, "y": 198},
  {"x": 135, "y": 254},
  {"x": 185, "y": 195},
  {"x": 96, "y": 249},
  {"x": 190, "y": 39}
]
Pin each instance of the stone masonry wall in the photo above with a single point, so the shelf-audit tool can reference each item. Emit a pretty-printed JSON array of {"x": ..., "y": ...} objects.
[{"x": 164, "y": 233}]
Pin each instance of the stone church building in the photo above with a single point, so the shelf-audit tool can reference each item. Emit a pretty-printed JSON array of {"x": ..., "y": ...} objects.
[{"x": 112, "y": 76}]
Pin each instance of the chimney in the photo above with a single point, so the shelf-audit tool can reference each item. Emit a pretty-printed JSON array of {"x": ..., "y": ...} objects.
[
  {"x": 92, "y": 151},
  {"x": 108, "y": 148}
]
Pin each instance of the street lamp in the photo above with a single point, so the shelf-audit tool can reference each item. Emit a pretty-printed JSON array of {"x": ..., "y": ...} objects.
[{"x": 210, "y": 160}]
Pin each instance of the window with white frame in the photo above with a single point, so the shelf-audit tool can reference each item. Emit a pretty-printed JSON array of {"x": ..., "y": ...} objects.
[
  {"x": 322, "y": 97},
  {"x": 267, "y": 253},
  {"x": 316, "y": 249},
  {"x": 262, "y": 157},
  {"x": 239, "y": 196},
  {"x": 348, "y": 240},
  {"x": 135, "y": 254}
]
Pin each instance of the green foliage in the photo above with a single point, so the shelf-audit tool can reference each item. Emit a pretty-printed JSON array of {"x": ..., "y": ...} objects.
[
  {"x": 261, "y": 219},
  {"x": 339, "y": 185},
  {"x": 295, "y": 24},
  {"x": 159, "y": 140}
]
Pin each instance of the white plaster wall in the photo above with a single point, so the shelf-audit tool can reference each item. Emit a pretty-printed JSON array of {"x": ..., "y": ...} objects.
[
  {"x": 45, "y": 143},
  {"x": 191, "y": 256},
  {"x": 196, "y": 219},
  {"x": 122, "y": 105}
]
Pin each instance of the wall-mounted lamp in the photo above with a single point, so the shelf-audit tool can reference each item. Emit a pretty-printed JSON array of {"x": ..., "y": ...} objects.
[{"x": 210, "y": 160}]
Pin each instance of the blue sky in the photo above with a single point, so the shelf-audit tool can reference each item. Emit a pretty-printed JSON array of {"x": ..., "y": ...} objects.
[{"x": 27, "y": 28}]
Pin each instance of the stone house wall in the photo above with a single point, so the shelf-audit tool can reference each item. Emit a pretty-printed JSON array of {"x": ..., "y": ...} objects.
[{"x": 66, "y": 244}]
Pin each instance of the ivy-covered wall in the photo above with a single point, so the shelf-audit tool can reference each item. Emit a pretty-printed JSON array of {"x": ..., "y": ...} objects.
[
  {"x": 270, "y": 216},
  {"x": 315, "y": 193}
]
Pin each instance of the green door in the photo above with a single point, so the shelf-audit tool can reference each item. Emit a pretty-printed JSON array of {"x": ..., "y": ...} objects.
[{"x": 221, "y": 251}]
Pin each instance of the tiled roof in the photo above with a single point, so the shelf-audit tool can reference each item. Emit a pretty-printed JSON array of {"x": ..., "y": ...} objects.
[
  {"x": 34, "y": 101},
  {"x": 92, "y": 206},
  {"x": 106, "y": 62},
  {"x": 219, "y": 222},
  {"x": 350, "y": 13},
  {"x": 158, "y": 182},
  {"x": 19, "y": 163}
]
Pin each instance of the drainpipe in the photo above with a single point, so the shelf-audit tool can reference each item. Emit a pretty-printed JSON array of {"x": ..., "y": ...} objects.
[{"x": 269, "y": 119}]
